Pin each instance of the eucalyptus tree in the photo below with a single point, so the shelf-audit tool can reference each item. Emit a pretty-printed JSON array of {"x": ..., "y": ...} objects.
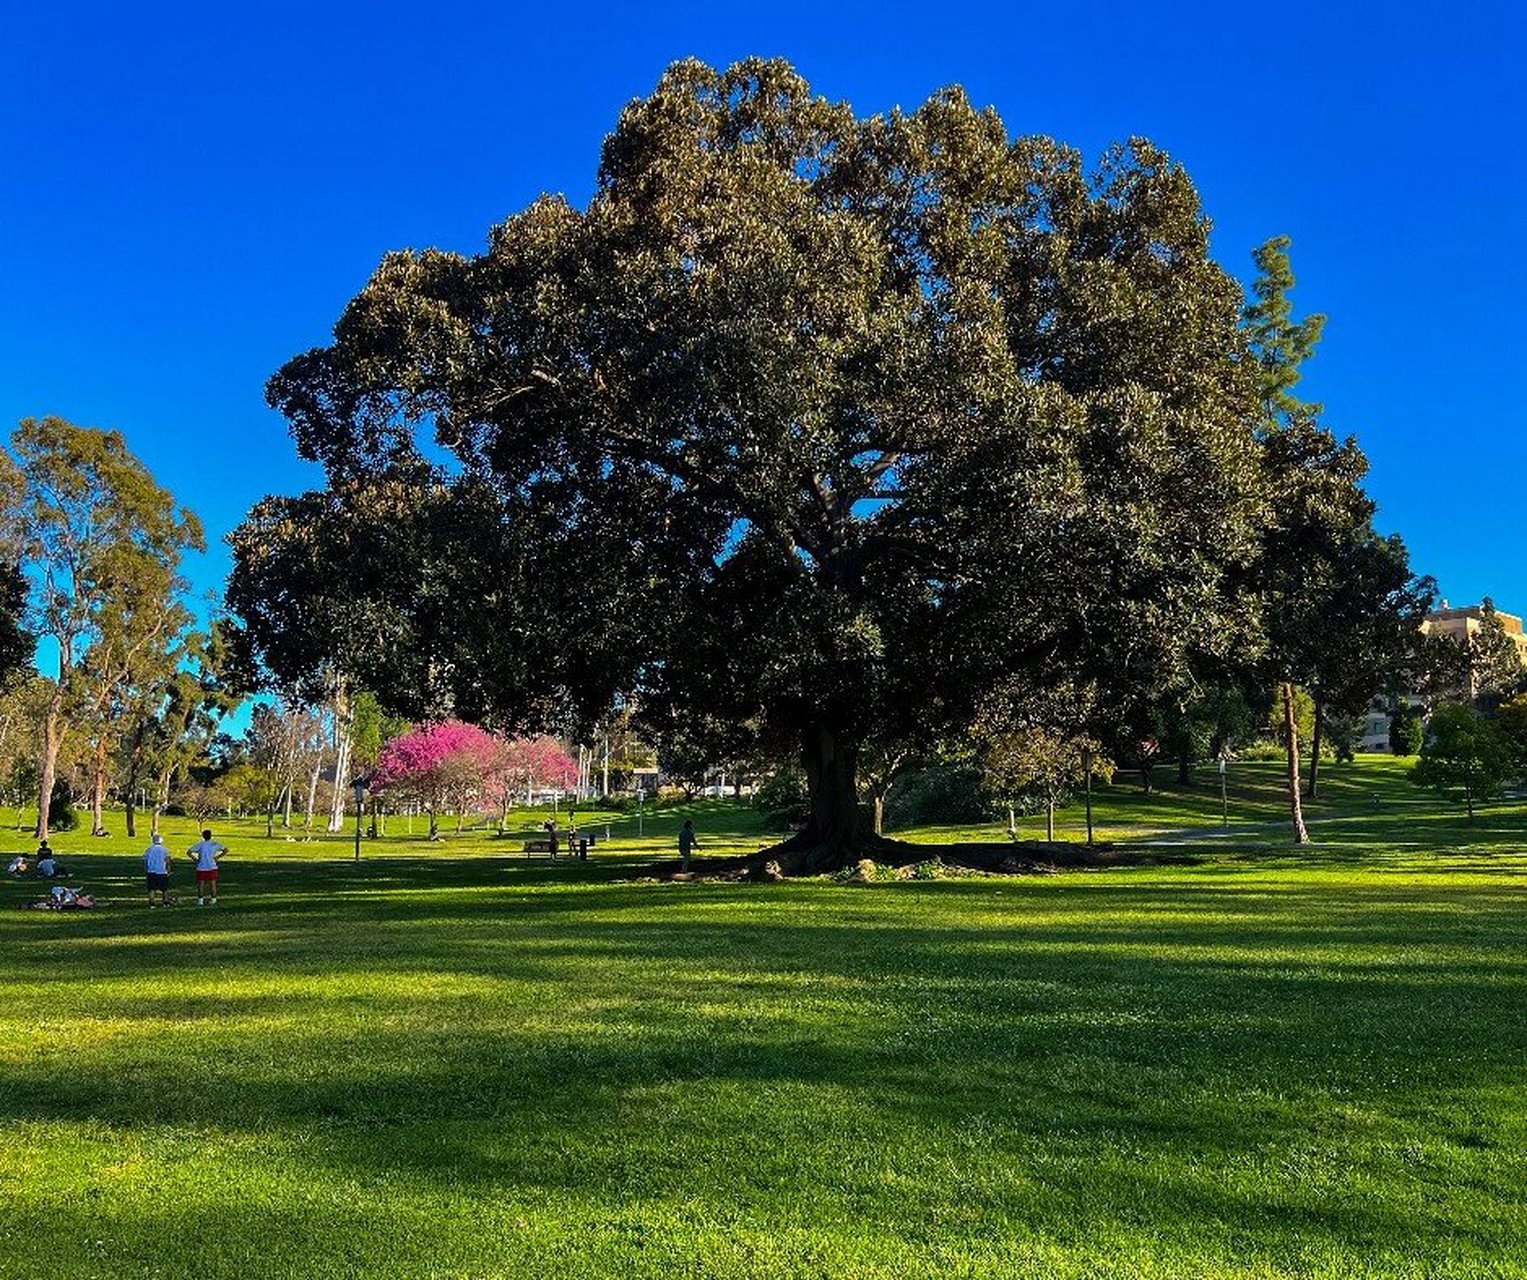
[
  {"x": 836, "y": 421},
  {"x": 93, "y": 527}
]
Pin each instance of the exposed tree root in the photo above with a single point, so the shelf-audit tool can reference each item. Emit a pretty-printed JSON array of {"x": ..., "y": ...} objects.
[{"x": 798, "y": 857}]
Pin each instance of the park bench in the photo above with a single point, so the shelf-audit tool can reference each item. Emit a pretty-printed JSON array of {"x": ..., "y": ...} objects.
[{"x": 574, "y": 847}]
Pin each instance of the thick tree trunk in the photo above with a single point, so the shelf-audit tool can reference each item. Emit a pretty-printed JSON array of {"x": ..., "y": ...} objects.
[
  {"x": 836, "y": 832},
  {"x": 1315, "y": 754},
  {"x": 1291, "y": 737},
  {"x": 879, "y": 813}
]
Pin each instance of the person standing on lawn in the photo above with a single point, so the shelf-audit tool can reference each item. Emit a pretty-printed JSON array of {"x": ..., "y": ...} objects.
[
  {"x": 156, "y": 871},
  {"x": 686, "y": 843},
  {"x": 206, "y": 851}
]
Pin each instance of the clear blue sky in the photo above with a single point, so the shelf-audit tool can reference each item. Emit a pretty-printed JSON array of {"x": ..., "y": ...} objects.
[{"x": 189, "y": 194}]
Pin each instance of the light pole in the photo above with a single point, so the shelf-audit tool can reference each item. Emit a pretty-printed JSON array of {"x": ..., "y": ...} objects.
[{"x": 360, "y": 804}]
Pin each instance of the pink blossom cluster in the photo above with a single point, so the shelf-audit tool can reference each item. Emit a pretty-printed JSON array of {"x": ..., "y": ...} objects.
[{"x": 433, "y": 759}]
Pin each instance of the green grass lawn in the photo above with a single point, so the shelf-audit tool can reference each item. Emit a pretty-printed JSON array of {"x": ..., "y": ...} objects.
[{"x": 453, "y": 1061}]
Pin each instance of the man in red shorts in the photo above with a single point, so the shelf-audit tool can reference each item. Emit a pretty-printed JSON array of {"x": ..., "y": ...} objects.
[{"x": 206, "y": 851}]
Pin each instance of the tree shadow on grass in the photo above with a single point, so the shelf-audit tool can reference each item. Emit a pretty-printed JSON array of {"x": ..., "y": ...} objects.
[{"x": 1073, "y": 1054}]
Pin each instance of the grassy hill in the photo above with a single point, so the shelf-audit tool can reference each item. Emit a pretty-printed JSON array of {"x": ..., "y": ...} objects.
[{"x": 450, "y": 1060}]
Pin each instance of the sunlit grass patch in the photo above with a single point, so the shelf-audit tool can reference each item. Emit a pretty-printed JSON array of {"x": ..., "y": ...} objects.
[{"x": 454, "y": 1061}]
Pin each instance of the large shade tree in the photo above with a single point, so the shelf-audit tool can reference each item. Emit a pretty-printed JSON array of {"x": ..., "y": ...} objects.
[{"x": 840, "y": 420}]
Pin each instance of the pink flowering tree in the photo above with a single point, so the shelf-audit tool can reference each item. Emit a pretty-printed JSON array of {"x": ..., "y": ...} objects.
[
  {"x": 436, "y": 763},
  {"x": 523, "y": 764}
]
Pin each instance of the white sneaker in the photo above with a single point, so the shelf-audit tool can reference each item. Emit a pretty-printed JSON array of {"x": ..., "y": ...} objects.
[{"x": 200, "y": 903}]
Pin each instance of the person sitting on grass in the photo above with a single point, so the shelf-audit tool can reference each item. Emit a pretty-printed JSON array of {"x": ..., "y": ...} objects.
[
  {"x": 206, "y": 852},
  {"x": 47, "y": 864},
  {"x": 18, "y": 866},
  {"x": 156, "y": 868}
]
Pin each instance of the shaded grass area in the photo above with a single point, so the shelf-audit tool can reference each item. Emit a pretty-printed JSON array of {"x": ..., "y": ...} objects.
[{"x": 1269, "y": 1064}]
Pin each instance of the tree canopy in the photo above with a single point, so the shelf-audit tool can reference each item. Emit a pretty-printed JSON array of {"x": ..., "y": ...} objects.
[{"x": 840, "y": 420}]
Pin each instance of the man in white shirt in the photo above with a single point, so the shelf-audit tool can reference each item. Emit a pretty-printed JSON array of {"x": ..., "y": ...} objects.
[
  {"x": 206, "y": 851},
  {"x": 156, "y": 868}
]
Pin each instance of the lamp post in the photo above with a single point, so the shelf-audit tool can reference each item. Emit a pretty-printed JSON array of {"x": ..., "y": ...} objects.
[{"x": 360, "y": 802}]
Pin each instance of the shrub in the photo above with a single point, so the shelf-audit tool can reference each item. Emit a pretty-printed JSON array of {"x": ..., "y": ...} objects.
[
  {"x": 1405, "y": 731},
  {"x": 938, "y": 796},
  {"x": 782, "y": 800},
  {"x": 61, "y": 812}
]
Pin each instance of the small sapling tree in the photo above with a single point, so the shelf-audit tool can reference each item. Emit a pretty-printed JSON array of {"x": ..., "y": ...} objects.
[{"x": 1465, "y": 757}]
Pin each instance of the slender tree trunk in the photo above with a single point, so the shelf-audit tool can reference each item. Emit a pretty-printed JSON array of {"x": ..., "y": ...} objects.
[
  {"x": 161, "y": 795},
  {"x": 1050, "y": 819},
  {"x": 1291, "y": 736},
  {"x": 880, "y": 813},
  {"x": 1012, "y": 823},
  {"x": 434, "y": 823},
  {"x": 98, "y": 786},
  {"x": 343, "y": 723},
  {"x": 134, "y": 766},
  {"x": 1087, "y": 770},
  {"x": 47, "y": 765},
  {"x": 1183, "y": 777},
  {"x": 307, "y": 817},
  {"x": 1315, "y": 753}
]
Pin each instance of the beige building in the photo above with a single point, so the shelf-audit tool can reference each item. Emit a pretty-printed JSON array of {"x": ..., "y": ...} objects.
[
  {"x": 1456, "y": 624},
  {"x": 1461, "y": 624}
]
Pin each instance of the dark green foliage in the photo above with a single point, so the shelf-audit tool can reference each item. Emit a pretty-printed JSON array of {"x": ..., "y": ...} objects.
[
  {"x": 16, "y": 644},
  {"x": 947, "y": 793},
  {"x": 1343, "y": 732},
  {"x": 1465, "y": 756},
  {"x": 782, "y": 799},
  {"x": 62, "y": 815},
  {"x": 1511, "y": 721},
  {"x": 1281, "y": 343},
  {"x": 1339, "y": 604},
  {"x": 840, "y": 420},
  {"x": 1494, "y": 662},
  {"x": 1405, "y": 731}
]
